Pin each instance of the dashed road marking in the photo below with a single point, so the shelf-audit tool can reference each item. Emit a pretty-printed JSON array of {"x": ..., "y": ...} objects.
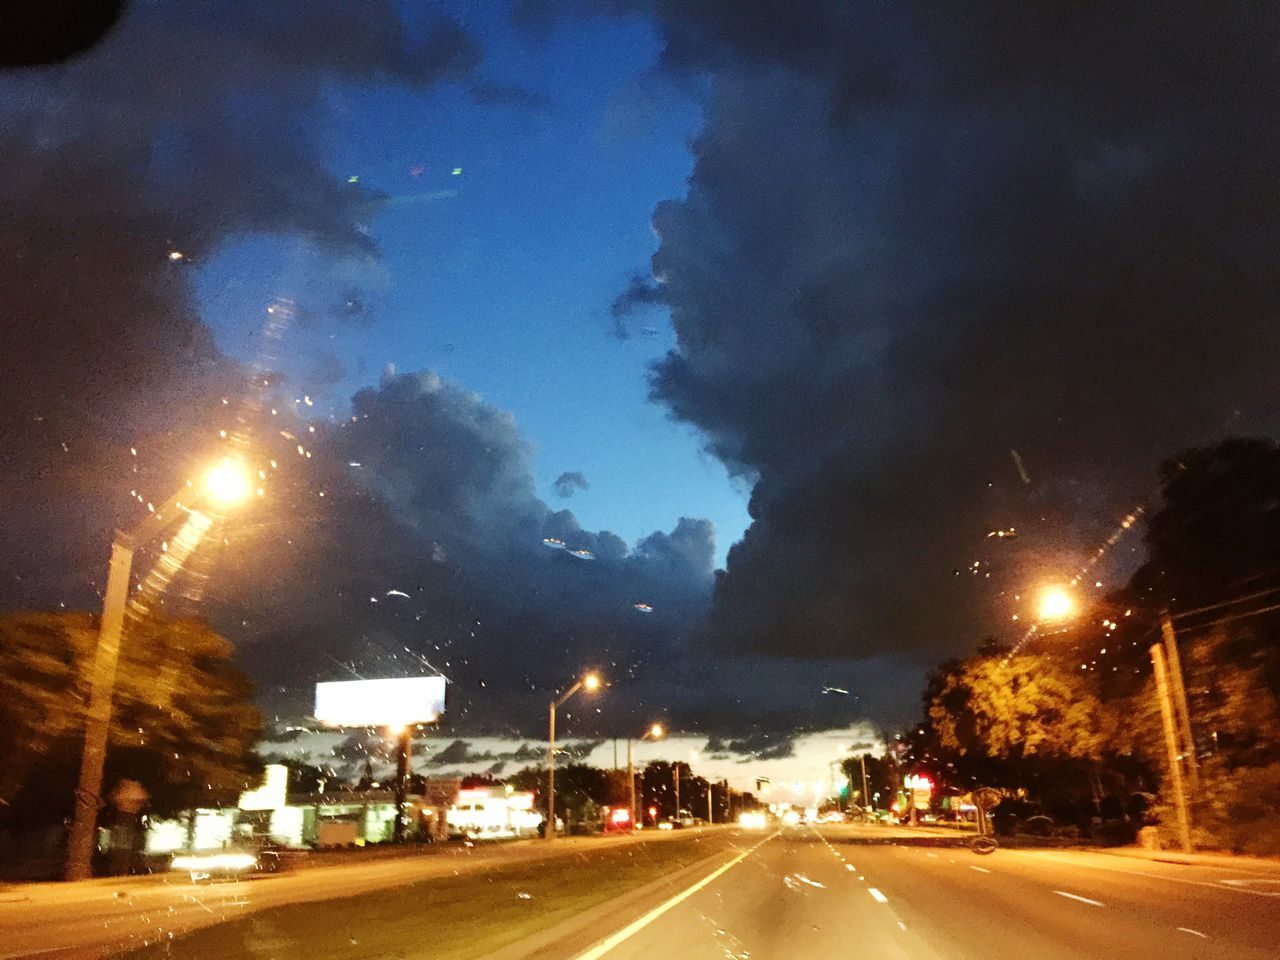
[
  {"x": 979, "y": 869},
  {"x": 1194, "y": 933},
  {"x": 1076, "y": 896},
  {"x": 877, "y": 896}
]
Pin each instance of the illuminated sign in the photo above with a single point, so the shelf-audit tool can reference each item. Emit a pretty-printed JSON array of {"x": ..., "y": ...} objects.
[
  {"x": 394, "y": 702},
  {"x": 271, "y": 795}
]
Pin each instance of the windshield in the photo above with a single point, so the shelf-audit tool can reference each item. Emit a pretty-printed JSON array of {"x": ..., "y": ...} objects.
[{"x": 556, "y": 479}]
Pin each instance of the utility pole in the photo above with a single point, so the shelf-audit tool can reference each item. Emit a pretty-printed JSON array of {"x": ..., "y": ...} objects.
[
  {"x": 711, "y": 815},
  {"x": 675, "y": 776},
  {"x": 84, "y": 821},
  {"x": 631, "y": 783},
  {"x": 1178, "y": 691},
  {"x": 550, "y": 831},
  {"x": 1171, "y": 746},
  {"x": 866, "y": 791}
]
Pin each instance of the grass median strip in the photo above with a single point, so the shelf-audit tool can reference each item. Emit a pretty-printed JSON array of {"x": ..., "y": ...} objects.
[{"x": 467, "y": 915}]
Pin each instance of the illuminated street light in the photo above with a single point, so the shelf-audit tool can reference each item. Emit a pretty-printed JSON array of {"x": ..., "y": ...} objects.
[
  {"x": 1171, "y": 699},
  {"x": 655, "y": 732},
  {"x": 1055, "y": 604},
  {"x": 226, "y": 484},
  {"x": 591, "y": 683}
]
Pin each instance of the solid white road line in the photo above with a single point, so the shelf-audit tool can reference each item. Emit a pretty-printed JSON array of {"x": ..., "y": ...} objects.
[
  {"x": 877, "y": 895},
  {"x": 1074, "y": 896},
  {"x": 1194, "y": 933},
  {"x": 631, "y": 929}
]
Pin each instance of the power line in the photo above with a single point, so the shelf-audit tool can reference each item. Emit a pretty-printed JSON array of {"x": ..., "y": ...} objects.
[{"x": 1225, "y": 603}]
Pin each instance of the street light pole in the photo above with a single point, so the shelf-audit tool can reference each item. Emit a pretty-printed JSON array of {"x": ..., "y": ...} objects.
[
  {"x": 591, "y": 682},
  {"x": 655, "y": 731},
  {"x": 227, "y": 483}
]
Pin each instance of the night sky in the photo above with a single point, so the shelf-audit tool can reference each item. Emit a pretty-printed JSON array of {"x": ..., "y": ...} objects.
[{"x": 765, "y": 316}]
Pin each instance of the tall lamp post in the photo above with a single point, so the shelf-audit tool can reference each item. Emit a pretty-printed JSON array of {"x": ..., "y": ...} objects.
[
  {"x": 1171, "y": 696},
  {"x": 225, "y": 485},
  {"x": 591, "y": 683},
  {"x": 655, "y": 732}
]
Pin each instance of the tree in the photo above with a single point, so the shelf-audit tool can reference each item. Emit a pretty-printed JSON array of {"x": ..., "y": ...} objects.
[
  {"x": 883, "y": 779},
  {"x": 580, "y": 789},
  {"x": 1218, "y": 525},
  {"x": 183, "y": 721},
  {"x": 1009, "y": 708}
]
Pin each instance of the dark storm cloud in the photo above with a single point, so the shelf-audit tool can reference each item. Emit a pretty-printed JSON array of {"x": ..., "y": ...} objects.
[
  {"x": 917, "y": 238},
  {"x": 569, "y": 483},
  {"x": 120, "y": 170},
  {"x": 429, "y": 550},
  {"x": 641, "y": 292},
  {"x": 407, "y": 539},
  {"x": 120, "y": 173}
]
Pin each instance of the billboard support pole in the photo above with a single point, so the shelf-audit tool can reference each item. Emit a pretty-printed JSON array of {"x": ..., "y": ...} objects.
[{"x": 404, "y": 744}]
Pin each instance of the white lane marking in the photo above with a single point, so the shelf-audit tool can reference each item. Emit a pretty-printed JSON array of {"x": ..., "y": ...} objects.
[
  {"x": 1250, "y": 883},
  {"x": 813, "y": 883},
  {"x": 1041, "y": 855},
  {"x": 933, "y": 855},
  {"x": 877, "y": 896},
  {"x": 1194, "y": 933},
  {"x": 901, "y": 925},
  {"x": 849, "y": 867},
  {"x": 631, "y": 929},
  {"x": 979, "y": 869},
  {"x": 1076, "y": 896}
]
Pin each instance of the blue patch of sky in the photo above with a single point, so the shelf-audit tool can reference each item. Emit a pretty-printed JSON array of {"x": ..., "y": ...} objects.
[{"x": 501, "y": 277}]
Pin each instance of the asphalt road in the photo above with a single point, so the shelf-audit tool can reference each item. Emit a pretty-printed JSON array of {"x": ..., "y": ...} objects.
[
  {"x": 806, "y": 893},
  {"x": 799, "y": 893},
  {"x": 95, "y": 918}
]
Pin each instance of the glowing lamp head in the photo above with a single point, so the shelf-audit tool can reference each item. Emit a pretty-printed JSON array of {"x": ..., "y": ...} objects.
[
  {"x": 656, "y": 731},
  {"x": 1055, "y": 604},
  {"x": 228, "y": 483},
  {"x": 591, "y": 682}
]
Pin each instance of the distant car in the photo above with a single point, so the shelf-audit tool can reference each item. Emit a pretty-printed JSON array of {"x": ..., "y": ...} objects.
[{"x": 223, "y": 864}]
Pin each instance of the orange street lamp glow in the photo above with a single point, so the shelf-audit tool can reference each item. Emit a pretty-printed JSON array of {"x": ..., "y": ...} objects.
[
  {"x": 592, "y": 682},
  {"x": 656, "y": 731},
  {"x": 228, "y": 484},
  {"x": 1056, "y": 604}
]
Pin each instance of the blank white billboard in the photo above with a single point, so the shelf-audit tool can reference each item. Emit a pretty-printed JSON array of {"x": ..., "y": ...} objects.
[{"x": 380, "y": 703}]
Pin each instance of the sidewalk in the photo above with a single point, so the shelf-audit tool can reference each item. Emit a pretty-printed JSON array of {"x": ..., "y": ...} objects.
[{"x": 1192, "y": 859}]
